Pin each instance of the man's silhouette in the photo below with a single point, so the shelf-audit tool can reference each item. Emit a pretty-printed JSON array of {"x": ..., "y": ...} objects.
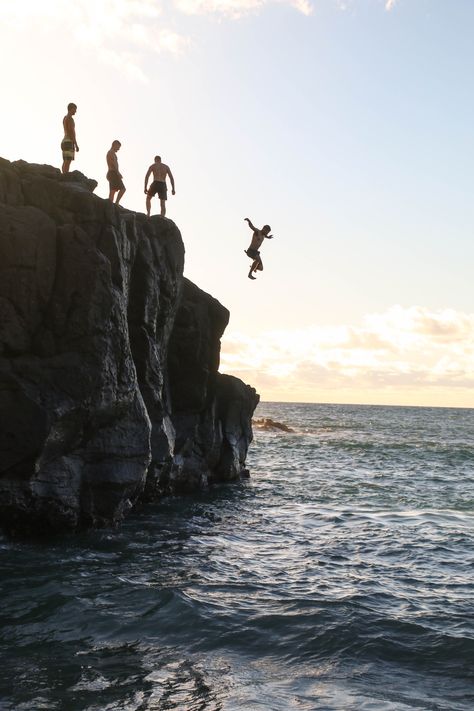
[
  {"x": 113, "y": 174},
  {"x": 160, "y": 171},
  {"x": 253, "y": 251},
  {"x": 69, "y": 142}
]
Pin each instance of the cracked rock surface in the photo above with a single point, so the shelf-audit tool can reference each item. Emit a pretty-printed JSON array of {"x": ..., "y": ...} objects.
[{"x": 109, "y": 383}]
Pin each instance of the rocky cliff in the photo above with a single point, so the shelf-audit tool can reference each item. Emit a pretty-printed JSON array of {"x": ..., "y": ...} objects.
[{"x": 109, "y": 382}]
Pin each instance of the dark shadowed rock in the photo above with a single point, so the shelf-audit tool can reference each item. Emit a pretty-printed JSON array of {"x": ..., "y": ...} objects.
[
  {"x": 90, "y": 296},
  {"x": 266, "y": 423},
  {"x": 211, "y": 412},
  {"x": 234, "y": 401}
]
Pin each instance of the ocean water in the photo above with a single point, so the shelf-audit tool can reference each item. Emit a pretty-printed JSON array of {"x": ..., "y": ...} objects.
[{"x": 339, "y": 576}]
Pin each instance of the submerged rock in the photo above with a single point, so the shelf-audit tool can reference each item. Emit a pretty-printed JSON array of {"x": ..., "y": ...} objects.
[{"x": 109, "y": 383}]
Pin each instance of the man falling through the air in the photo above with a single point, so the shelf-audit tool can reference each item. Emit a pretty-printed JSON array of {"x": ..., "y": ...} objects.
[{"x": 253, "y": 251}]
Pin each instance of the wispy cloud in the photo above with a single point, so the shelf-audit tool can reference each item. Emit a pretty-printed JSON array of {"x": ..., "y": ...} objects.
[
  {"x": 124, "y": 32},
  {"x": 400, "y": 349},
  {"x": 126, "y": 63},
  {"x": 303, "y": 6},
  {"x": 227, "y": 8},
  {"x": 121, "y": 32},
  {"x": 235, "y": 9}
]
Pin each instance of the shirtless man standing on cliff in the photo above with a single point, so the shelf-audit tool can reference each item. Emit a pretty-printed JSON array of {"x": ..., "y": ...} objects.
[
  {"x": 114, "y": 176},
  {"x": 69, "y": 142},
  {"x": 160, "y": 171},
  {"x": 253, "y": 251}
]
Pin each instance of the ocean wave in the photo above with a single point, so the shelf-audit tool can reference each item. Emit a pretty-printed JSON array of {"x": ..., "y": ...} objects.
[{"x": 339, "y": 577}]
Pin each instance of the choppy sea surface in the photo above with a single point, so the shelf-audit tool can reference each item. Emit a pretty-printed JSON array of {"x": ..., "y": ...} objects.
[{"x": 340, "y": 576}]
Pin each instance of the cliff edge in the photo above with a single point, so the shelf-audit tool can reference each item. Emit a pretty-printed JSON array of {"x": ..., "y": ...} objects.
[{"x": 109, "y": 384}]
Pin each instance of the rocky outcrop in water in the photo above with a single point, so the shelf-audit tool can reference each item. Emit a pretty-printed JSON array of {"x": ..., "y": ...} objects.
[
  {"x": 109, "y": 383},
  {"x": 266, "y": 423}
]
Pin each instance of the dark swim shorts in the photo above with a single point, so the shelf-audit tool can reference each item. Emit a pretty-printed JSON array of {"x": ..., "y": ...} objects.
[
  {"x": 158, "y": 186},
  {"x": 253, "y": 253},
  {"x": 115, "y": 181}
]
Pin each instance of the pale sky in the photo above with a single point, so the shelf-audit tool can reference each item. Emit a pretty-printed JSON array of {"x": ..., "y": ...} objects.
[{"x": 347, "y": 125}]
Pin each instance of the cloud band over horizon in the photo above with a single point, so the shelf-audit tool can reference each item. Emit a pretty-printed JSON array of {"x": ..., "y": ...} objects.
[{"x": 388, "y": 358}]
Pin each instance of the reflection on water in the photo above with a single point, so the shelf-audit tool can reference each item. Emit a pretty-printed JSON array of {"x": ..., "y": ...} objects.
[{"x": 338, "y": 577}]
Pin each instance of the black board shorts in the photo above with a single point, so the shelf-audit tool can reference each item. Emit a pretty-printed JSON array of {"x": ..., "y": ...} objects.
[
  {"x": 253, "y": 253},
  {"x": 158, "y": 186}
]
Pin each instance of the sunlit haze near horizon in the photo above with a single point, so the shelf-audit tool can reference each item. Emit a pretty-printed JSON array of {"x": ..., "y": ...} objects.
[{"x": 347, "y": 125}]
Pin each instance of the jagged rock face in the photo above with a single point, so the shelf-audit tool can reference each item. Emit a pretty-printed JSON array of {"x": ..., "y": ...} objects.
[
  {"x": 89, "y": 294},
  {"x": 211, "y": 412}
]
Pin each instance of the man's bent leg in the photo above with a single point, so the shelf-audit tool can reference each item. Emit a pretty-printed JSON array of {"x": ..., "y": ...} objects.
[
  {"x": 66, "y": 166},
  {"x": 253, "y": 268},
  {"x": 120, "y": 195}
]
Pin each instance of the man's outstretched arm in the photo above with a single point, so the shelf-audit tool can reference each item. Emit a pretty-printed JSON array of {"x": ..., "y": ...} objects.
[{"x": 250, "y": 224}]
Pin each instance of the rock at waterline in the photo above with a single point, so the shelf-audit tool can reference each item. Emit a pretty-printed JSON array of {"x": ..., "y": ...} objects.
[{"x": 266, "y": 423}]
